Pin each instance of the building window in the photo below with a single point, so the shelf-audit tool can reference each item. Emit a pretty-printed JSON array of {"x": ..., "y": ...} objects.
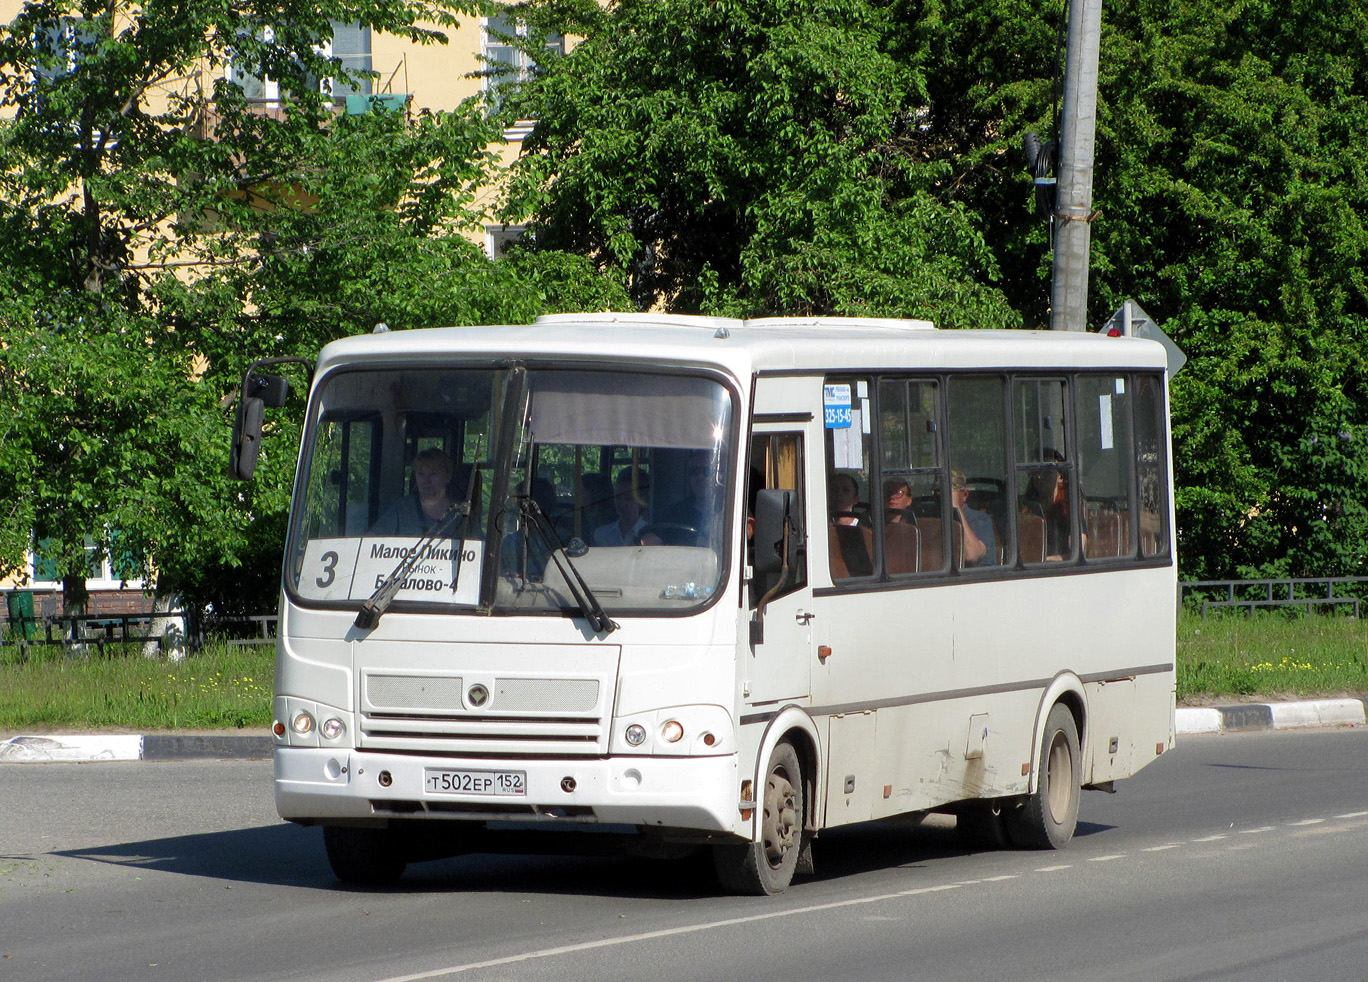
[
  {"x": 60, "y": 47},
  {"x": 119, "y": 570},
  {"x": 507, "y": 60},
  {"x": 350, "y": 44},
  {"x": 499, "y": 237}
]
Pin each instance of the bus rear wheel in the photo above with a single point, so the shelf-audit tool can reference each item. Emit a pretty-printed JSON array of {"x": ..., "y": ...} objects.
[
  {"x": 1048, "y": 817},
  {"x": 766, "y": 867},
  {"x": 363, "y": 856}
]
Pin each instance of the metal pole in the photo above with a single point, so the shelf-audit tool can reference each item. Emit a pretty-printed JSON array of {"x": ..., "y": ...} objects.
[{"x": 1073, "y": 208}]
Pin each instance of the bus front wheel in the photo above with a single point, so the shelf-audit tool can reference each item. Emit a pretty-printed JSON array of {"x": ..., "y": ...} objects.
[
  {"x": 363, "y": 856},
  {"x": 1048, "y": 817},
  {"x": 766, "y": 867}
]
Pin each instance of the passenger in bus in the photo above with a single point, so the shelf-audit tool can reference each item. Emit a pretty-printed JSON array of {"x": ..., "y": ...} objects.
[
  {"x": 416, "y": 513},
  {"x": 980, "y": 543},
  {"x": 898, "y": 496},
  {"x": 1047, "y": 495},
  {"x": 625, "y": 530},
  {"x": 844, "y": 499}
]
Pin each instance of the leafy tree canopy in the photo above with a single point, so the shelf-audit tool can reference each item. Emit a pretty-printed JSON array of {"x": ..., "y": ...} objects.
[{"x": 748, "y": 157}]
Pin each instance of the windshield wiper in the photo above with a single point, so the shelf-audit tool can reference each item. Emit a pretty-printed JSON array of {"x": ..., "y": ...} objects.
[
  {"x": 589, "y": 605},
  {"x": 369, "y": 615}
]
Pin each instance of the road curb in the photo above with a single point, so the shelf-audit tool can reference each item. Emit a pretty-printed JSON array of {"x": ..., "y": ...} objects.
[
  {"x": 1271, "y": 716},
  {"x": 56, "y": 747}
]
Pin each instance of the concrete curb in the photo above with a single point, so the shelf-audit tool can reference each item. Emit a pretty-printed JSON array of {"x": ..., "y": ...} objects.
[
  {"x": 1271, "y": 716},
  {"x": 53, "y": 748},
  {"x": 56, "y": 748}
]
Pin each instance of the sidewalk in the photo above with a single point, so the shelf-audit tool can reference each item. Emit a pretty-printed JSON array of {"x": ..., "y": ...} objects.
[{"x": 54, "y": 747}]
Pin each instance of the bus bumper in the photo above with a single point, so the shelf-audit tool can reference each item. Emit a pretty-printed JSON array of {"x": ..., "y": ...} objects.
[{"x": 318, "y": 785}]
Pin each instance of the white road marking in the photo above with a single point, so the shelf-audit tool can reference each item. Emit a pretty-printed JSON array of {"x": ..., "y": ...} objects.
[{"x": 527, "y": 956}]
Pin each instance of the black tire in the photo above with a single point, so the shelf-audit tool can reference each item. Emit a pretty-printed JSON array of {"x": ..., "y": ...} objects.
[
  {"x": 363, "y": 856},
  {"x": 766, "y": 867},
  {"x": 1048, "y": 817}
]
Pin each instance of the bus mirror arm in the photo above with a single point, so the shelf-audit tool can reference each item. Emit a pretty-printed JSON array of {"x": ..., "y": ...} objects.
[{"x": 757, "y": 625}]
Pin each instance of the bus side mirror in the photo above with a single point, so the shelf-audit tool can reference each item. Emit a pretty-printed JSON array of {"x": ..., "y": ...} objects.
[
  {"x": 258, "y": 392},
  {"x": 774, "y": 511},
  {"x": 246, "y": 447}
]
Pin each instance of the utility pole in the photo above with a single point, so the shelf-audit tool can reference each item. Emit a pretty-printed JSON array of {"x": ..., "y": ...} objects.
[{"x": 1073, "y": 191}]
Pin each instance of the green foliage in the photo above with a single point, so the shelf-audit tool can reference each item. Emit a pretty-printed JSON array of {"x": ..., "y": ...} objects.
[
  {"x": 158, "y": 233},
  {"x": 746, "y": 158}
]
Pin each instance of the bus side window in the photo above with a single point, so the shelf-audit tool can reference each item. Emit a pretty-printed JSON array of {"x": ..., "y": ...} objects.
[
  {"x": 1044, "y": 472},
  {"x": 1104, "y": 458},
  {"x": 912, "y": 479},
  {"x": 1151, "y": 466},
  {"x": 978, "y": 462}
]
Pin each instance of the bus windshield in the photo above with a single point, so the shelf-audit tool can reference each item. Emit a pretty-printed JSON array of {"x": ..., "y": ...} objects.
[{"x": 514, "y": 490}]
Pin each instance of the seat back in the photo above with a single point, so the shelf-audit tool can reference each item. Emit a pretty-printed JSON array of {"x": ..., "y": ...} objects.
[
  {"x": 850, "y": 550},
  {"x": 1031, "y": 537},
  {"x": 902, "y": 548}
]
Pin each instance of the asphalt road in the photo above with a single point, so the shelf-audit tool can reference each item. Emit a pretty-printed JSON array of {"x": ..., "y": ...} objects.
[{"x": 1233, "y": 857}]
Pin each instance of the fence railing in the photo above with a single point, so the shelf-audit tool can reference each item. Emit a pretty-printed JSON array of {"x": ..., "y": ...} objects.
[
  {"x": 99, "y": 630},
  {"x": 1310, "y": 593}
]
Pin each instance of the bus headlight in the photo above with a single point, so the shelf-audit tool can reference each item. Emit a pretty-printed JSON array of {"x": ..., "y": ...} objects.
[
  {"x": 303, "y": 723},
  {"x": 678, "y": 731},
  {"x": 332, "y": 728}
]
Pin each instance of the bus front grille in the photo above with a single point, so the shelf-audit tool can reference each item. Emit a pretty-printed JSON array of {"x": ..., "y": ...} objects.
[{"x": 519, "y": 736}]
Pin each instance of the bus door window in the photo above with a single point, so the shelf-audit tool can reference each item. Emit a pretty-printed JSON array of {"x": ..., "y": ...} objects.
[
  {"x": 1044, "y": 471},
  {"x": 911, "y": 478},
  {"x": 978, "y": 462},
  {"x": 1104, "y": 461},
  {"x": 343, "y": 492},
  {"x": 776, "y": 463},
  {"x": 1151, "y": 466},
  {"x": 851, "y": 495}
]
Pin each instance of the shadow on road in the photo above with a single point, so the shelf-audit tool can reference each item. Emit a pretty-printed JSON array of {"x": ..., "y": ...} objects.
[{"x": 591, "y": 865}]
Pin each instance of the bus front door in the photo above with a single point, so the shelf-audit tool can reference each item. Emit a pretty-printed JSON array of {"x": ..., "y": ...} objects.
[{"x": 781, "y": 639}]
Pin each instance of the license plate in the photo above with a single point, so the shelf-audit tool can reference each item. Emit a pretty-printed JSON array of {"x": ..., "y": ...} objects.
[{"x": 442, "y": 781}]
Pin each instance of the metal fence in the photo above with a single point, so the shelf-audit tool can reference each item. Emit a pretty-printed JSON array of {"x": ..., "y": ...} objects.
[
  {"x": 186, "y": 630},
  {"x": 1322, "y": 593}
]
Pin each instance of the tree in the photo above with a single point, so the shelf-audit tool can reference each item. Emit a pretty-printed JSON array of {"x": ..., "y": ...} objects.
[
  {"x": 1231, "y": 195},
  {"x": 745, "y": 158},
  {"x": 159, "y": 233}
]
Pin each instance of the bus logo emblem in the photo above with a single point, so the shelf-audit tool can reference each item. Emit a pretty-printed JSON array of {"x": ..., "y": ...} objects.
[{"x": 478, "y": 695}]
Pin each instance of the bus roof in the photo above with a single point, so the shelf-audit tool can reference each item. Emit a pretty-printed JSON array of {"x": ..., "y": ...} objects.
[{"x": 748, "y": 347}]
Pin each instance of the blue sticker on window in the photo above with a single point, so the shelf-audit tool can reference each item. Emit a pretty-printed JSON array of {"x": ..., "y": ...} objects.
[{"x": 836, "y": 406}]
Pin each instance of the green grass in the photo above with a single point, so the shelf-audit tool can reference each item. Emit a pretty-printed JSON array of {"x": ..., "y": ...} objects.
[
  {"x": 1226, "y": 658},
  {"x": 220, "y": 687},
  {"x": 1274, "y": 656}
]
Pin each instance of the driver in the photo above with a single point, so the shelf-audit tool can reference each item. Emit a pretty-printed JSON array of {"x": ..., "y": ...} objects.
[
  {"x": 415, "y": 514},
  {"x": 631, "y": 517}
]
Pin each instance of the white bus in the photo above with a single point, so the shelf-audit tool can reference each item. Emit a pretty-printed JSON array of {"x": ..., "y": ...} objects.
[{"x": 719, "y": 583}]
